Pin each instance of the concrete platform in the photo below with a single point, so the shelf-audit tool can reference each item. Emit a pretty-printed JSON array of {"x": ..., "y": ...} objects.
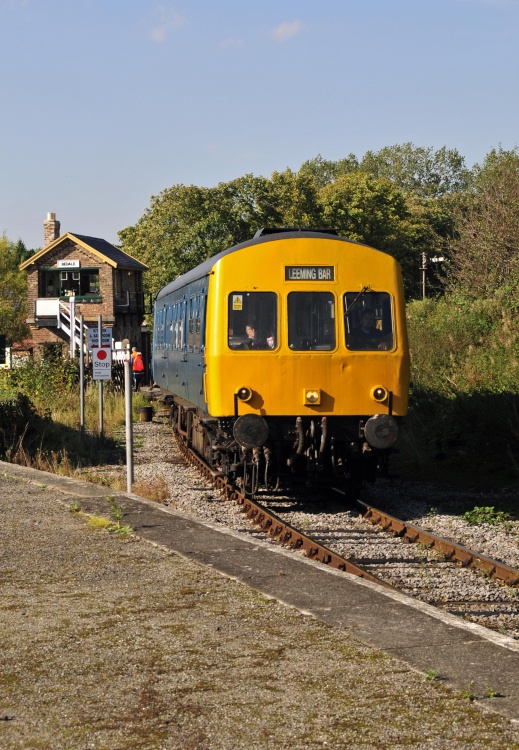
[{"x": 460, "y": 652}]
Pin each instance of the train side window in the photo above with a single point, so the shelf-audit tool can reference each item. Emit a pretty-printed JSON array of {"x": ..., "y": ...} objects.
[
  {"x": 311, "y": 321},
  {"x": 252, "y": 318},
  {"x": 179, "y": 332},
  {"x": 176, "y": 327},
  {"x": 191, "y": 325},
  {"x": 168, "y": 327},
  {"x": 368, "y": 321}
]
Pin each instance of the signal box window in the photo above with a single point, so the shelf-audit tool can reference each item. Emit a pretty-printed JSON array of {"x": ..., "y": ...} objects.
[
  {"x": 311, "y": 321},
  {"x": 80, "y": 282},
  {"x": 252, "y": 320},
  {"x": 368, "y": 321}
]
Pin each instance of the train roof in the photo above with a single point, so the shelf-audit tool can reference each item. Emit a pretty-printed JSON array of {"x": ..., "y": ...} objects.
[{"x": 262, "y": 236}]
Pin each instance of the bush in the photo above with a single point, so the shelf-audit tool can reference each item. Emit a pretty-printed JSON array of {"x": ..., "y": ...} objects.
[
  {"x": 17, "y": 419},
  {"x": 464, "y": 406},
  {"x": 45, "y": 382}
]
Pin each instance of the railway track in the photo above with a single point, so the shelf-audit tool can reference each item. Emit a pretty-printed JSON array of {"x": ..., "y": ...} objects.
[{"x": 383, "y": 549}]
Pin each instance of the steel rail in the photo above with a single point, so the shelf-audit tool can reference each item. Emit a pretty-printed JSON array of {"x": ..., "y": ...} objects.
[
  {"x": 275, "y": 527},
  {"x": 283, "y": 533},
  {"x": 450, "y": 550}
]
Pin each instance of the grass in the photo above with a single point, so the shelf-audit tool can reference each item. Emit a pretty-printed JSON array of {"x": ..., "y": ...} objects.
[
  {"x": 112, "y": 525},
  {"x": 152, "y": 489},
  {"x": 41, "y": 424}
]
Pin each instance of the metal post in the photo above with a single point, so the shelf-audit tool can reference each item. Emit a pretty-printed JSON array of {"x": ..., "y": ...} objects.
[
  {"x": 72, "y": 313},
  {"x": 101, "y": 424},
  {"x": 129, "y": 419},
  {"x": 423, "y": 269},
  {"x": 81, "y": 376}
]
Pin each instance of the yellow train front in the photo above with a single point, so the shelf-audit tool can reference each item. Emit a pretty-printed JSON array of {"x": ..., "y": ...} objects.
[{"x": 286, "y": 358}]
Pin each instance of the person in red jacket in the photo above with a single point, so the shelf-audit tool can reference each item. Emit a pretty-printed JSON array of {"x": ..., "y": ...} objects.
[{"x": 137, "y": 368}]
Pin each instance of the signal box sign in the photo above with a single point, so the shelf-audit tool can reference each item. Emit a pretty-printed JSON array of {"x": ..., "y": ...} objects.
[{"x": 101, "y": 363}]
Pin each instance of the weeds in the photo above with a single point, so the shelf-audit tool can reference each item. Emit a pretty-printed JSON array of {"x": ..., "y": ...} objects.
[
  {"x": 480, "y": 514},
  {"x": 112, "y": 525},
  {"x": 152, "y": 489},
  {"x": 468, "y": 692},
  {"x": 432, "y": 674}
]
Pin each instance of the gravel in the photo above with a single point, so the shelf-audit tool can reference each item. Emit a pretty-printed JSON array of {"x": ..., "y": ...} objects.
[
  {"x": 110, "y": 643},
  {"x": 464, "y": 592}
]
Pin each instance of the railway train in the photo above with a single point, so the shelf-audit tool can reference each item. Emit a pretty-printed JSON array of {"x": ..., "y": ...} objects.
[{"x": 285, "y": 359}]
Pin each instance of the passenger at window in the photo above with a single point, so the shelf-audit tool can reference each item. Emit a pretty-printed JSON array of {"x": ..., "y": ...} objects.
[
  {"x": 367, "y": 335},
  {"x": 252, "y": 341}
]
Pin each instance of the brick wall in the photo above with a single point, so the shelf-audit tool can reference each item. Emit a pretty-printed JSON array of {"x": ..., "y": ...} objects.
[{"x": 126, "y": 323}]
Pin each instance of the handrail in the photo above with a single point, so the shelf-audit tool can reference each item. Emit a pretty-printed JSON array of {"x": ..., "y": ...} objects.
[{"x": 54, "y": 307}]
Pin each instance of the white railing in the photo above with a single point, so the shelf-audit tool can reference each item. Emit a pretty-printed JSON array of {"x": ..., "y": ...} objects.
[
  {"x": 63, "y": 312},
  {"x": 70, "y": 325},
  {"x": 53, "y": 307}
]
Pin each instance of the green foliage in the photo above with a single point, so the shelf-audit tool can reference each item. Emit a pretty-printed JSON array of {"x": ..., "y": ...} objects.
[
  {"x": 420, "y": 171},
  {"x": 40, "y": 418},
  {"x": 323, "y": 171},
  {"x": 463, "y": 346},
  {"x": 468, "y": 692},
  {"x": 464, "y": 406},
  {"x": 366, "y": 209},
  {"x": 389, "y": 200},
  {"x": 13, "y": 292},
  {"x": 44, "y": 382},
  {"x": 480, "y": 514},
  {"x": 186, "y": 225},
  {"x": 16, "y": 417},
  {"x": 484, "y": 252}
]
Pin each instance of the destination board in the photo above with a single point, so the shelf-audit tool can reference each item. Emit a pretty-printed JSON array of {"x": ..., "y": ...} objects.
[{"x": 309, "y": 273}]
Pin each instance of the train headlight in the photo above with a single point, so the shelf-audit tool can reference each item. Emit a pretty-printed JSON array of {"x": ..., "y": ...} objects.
[
  {"x": 244, "y": 393},
  {"x": 250, "y": 430},
  {"x": 378, "y": 394},
  {"x": 381, "y": 431},
  {"x": 312, "y": 396}
]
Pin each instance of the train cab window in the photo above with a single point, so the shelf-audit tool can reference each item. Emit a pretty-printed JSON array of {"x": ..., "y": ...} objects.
[
  {"x": 252, "y": 320},
  {"x": 311, "y": 321},
  {"x": 368, "y": 321}
]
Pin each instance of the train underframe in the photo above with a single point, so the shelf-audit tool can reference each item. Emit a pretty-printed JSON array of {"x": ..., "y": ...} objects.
[{"x": 268, "y": 454}]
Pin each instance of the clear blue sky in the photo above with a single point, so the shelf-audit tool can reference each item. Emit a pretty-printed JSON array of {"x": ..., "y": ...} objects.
[{"x": 108, "y": 102}]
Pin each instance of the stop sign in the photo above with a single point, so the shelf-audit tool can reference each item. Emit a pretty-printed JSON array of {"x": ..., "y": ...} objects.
[{"x": 101, "y": 363}]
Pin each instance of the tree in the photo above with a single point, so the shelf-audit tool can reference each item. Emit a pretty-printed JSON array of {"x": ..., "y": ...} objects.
[
  {"x": 21, "y": 253},
  {"x": 13, "y": 293},
  {"x": 484, "y": 254},
  {"x": 421, "y": 171},
  {"x": 186, "y": 225},
  {"x": 323, "y": 171},
  {"x": 374, "y": 211}
]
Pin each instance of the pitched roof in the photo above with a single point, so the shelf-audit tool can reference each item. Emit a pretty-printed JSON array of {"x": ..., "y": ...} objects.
[{"x": 103, "y": 249}]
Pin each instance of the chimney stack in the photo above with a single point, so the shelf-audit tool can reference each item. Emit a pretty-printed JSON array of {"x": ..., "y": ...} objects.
[{"x": 51, "y": 229}]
